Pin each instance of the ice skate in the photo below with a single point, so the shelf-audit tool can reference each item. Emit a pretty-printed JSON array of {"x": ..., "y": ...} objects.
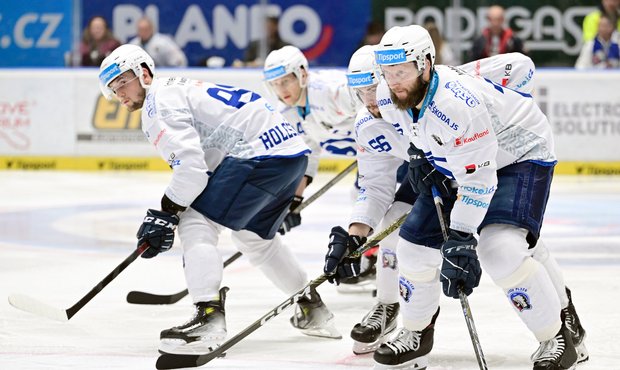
[
  {"x": 407, "y": 350},
  {"x": 577, "y": 332},
  {"x": 365, "y": 281},
  {"x": 203, "y": 332},
  {"x": 556, "y": 353},
  {"x": 313, "y": 318},
  {"x": 374, "y": 328}
]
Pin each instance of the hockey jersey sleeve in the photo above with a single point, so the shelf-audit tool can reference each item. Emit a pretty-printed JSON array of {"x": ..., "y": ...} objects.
[
  {"x": 378, "y": 164},
  {"x": 513, "y": 70},
  {"x": 473, "y": 163},
  {"x": 295, "y": 120},
  {"x": 167, "y": 123}
]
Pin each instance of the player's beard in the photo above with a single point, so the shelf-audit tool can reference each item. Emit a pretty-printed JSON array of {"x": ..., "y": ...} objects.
[
  {"x": 137, "y": 104},
  {"x": 414, "y": 97}
]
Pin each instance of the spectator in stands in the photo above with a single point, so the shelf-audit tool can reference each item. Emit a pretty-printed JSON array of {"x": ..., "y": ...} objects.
[
  {"x": 252, "y": 57},
  {"x": 603, "y": 50},
  {"x": 495, "y": 38},
  {"x": 443, "y": 52},
  {"x": 590, "y": 23},
  {"x": 97, "y": 42},
  {"x": 374, "y": 33},
  {"x": 162, "y": 48}
]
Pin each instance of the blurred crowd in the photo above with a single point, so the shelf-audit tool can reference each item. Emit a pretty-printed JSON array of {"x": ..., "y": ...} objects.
[{"x": 600, "y": 40}]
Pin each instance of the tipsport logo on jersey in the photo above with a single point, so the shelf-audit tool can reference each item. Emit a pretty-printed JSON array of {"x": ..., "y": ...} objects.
[{"x": 327, "y": 32}]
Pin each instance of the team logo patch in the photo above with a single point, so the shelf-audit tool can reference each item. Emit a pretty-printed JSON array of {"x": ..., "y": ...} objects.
[
  {"x": 470, "y": 168},
  {"x": 388, "y": 259},
  {"x": 406, "y": 288},
  {"x": 520, "y": 299},
  {"x": 437, "y": 139}
]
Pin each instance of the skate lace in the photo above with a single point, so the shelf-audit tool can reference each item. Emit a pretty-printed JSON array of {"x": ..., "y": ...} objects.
[
  {"x": 570, "y": 321},
  {"x": 550, "y": 350},
  {"x": 406, "y": 340},
  {"x": 377, "y": 318}
]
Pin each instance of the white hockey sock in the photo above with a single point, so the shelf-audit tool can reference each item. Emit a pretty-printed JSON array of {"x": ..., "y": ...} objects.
[
  {"x": 504, "y": 255},
  {"x": 202, "y": 261},
  {"x": 533, "y": 297},
  {"x": 387, "y": 262},
  {"x": 418, "y": 284},
  {"x": 542, "y": 255},
  {"x": 274, "y": 259}
]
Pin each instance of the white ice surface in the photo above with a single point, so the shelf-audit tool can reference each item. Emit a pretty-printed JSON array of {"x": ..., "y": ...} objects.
[{"x": 61, "y": 233}]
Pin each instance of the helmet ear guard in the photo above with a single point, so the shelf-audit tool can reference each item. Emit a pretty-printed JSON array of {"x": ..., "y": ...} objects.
[{"x": 124, "y": 58}]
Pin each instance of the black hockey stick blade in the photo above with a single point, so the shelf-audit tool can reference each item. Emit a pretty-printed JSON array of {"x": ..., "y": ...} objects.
[
  {"x": 39, "y": 308},
  {"x": 177, "y": 361},
  {"x": 138, "y": 297}
]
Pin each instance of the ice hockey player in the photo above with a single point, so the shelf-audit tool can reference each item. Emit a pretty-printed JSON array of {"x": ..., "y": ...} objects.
[
  {"x": 318, "y": 104},
  {"x": 382, "y": 149},
  {"x": 236, "y": 163},
  {"x": 497, "y": 146}
]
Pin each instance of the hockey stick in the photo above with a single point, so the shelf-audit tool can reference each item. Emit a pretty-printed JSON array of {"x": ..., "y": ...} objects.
[
  {"x": 176, "y": 361},
  {"x": 36, "y": 307},
  {"x": 469, "y": 319},
  {"x": 137, "y": 297},
  {"x": 326, "y": 187}
]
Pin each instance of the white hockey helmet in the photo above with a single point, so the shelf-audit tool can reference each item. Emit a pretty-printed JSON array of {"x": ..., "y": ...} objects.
[
  {"x": 122, "y": 59},
  {"x": 406, "y": 44},
  {"x": 283, "y": 61},
  {"x": 363, "y": 71}
]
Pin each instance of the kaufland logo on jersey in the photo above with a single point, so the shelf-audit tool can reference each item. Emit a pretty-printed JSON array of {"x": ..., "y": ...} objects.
[
  {"x": 459, "y": 141},
  {"x": 393, "y": 56},
  {"x": 359, "y": 79}
]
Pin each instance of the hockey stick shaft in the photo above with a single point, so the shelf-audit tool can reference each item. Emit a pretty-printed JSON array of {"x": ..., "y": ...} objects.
[
  {"x": 33, "y": 306},
  {"x": 326, "y": 187},
  {"x": 469, "y": 319},
  {"x": 138, "y": 297},
  {"x": 174, "y": 361}
]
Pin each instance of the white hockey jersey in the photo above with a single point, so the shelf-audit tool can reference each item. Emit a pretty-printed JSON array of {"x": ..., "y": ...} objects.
[
  {"x": 327, "y": 120},
  {"x": 512, "y": 70},
  {"x": 469, "y": 127},
  {"x": 382, "y": 148},
  {"x": 194, "y": 125}
]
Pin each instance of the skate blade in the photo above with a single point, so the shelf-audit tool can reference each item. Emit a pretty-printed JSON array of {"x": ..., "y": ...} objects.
[
  {"x": 180, "y": 347},
  {"x": 582, "y": 351},
  {"x": 323, "y": 332},
  {"x": 360, "y": 348},
  {"x": 361, "y": 287},
  {"x": 326, "y": 330},
  {"x": 419, "y": 363}
]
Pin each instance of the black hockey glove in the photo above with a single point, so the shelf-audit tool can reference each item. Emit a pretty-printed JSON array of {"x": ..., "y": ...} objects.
[
  {"x": 157, "y": 230},
  {"x": 292, "y": 219},
  {"x": 338, "y": 266},
  {"x": 460, "y": 268},
  {"x": 422, "y": 174}
]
